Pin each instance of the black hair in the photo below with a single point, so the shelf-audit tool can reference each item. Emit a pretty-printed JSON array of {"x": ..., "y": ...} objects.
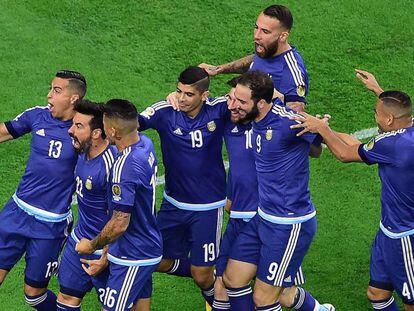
[
  {"x": 233, "y": 82},
  {"x": 196, "y": 76},
  {"x": 120, "y": 109},
  {"x": 281, "y": 13},
  {"x": 76, "y": 80},
  {"x": 93, "y": 109},
  {"x": 260, "y": 84},
  {"x": 397, "y": 100}
]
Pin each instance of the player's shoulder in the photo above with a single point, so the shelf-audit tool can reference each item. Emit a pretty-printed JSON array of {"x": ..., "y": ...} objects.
[
  {"x": 216, "y": 102},
  {"x": 35, "y": 110},
  {"x": 156, "y": 108},
  {"x": 284, "y": 114},
  {"x": 390, "y": 136}
]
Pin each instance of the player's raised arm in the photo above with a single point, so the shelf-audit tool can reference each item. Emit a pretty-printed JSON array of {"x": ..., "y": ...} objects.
[
  {"x": 368, "y": 79},
  {"x": 237, "y": 66},
  {"x": 4, "y": 133},
  {"x": 336, "y": 143}
]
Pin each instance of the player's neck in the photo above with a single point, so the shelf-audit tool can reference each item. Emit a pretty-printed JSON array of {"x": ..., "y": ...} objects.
[
  {"x": 68, "y": 115},
  {"x": 282, "y": 49},
  {"x": 193, "y": 113},
  {"x": 97, "y": 148},
  {"x": 127, "y": 141},
  {"x": 263, "y": 112}
]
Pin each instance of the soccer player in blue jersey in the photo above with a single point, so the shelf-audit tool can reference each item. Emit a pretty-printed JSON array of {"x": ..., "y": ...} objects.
[
  {"x": 392, "y": 260},
  {"x": 273, "y": 244},
  {"x": 244, "y": 195},
  {"x": 190, "y": 217},
  {"x": 36, "y": 219},
  {"x": 91, "y": 176},
  {"x": 135, "y": 247},
  {"x": 275, "y": 56}
]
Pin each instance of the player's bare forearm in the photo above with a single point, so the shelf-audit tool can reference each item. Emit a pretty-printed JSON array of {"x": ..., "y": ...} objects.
[
  {"x": 115, "y": 227},
  {"x": 238, "y": 66},
  {"x": 4, "y": 133},
  {"x": 339, "y": 148},
  {"x": 347, "y": 139}
]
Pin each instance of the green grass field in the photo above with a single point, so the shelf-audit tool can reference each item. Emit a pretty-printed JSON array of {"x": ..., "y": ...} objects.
[{"x": 135, "y": 50}]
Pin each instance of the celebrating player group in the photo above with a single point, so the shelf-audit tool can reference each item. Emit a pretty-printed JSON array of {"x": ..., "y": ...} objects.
[{"x": 98, "y": 151}]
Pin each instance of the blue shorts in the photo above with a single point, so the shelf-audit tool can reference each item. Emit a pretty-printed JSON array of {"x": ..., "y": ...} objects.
[
  {"x": 277, "y": 250},
  {"x": 126, "y": 285},
  {"x": 392, "y": 265},
  {"x": 184, "y": 232},
  {"x": 73, "y": 280},
  {"x": 16, "y": 239}
]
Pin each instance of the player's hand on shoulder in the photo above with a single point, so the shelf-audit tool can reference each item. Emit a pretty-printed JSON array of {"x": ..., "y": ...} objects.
[
  {"x": 309, "y": 123},
  {"x": 84, "y": 246},
  {"x": 172, "y": 99},
  {"x": 211, "y": 69}
]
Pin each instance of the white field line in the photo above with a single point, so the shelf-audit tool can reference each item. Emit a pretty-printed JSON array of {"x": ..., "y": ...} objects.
[{"x": 362, "y": 134}]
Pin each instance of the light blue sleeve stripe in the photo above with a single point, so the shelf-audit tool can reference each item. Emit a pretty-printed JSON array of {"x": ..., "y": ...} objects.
[
  {"x": 129, "y": 263},
  {"x": 286, "y": 220},
  {"x": 195, "y": 207},
  {"x": 393, "y": 235},
  {"x": 39, "y": 213}
]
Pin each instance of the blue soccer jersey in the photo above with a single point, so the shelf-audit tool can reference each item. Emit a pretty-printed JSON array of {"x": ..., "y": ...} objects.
[
  {"x": 393, "y": 152},
  {"x": 288, "y": 72},
  {"x": 192, "y": 153},
  {"x": 92, "y": 178},
  {"x": 132, "y": 186},
  {"x": 282, "y": 166},
  {"x": 45, "y": 190},
  {"x": 242, "y": 181}
]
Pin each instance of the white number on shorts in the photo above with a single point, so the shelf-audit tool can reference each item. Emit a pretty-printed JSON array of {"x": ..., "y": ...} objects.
[
  {"x": 209, "y": 252},
  {"x": 51, "y": 267},
  {"x": 258, "y": 143},
  {"x": 109, "y": 299},
  {"x": 101, "y": 293},
  {"x": 55, "y": 148},
  {"x": 272, "y": 270},
  {"x": 406, "y": 291},
  {"x": 196, "y": 139}
]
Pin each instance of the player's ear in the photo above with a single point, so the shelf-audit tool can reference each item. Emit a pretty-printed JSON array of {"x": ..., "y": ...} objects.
[
  {"x": 261, "y": 104},
  {"x": 284, "y": 36},
  {"x": 96, "y": 133},
  {"x": 205, "y": 95},
  {"x": 74, "y": 98}
]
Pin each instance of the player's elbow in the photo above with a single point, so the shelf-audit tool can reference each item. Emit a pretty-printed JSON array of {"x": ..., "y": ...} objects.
[{"x": 344, "y": 157}]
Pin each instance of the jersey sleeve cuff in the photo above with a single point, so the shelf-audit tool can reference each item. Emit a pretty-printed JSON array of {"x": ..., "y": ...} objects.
[
  {"x": 123, "y": 208},
  {"x": 294, "y": 98},
  {"x": 11, "y": 129},
  {"x": 318, "y": 140},
  {"x": 362, "y": 154}
]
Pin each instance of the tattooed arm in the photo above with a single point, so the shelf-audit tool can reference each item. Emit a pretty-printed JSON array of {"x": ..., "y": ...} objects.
[
  {"x": 238, "y": 66},
  {"x": 115, "y": 227}
]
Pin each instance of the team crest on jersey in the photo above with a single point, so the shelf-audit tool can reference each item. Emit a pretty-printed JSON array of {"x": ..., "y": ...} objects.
[
  {"x": 269, "y": 134},
  {"x": 369, "y": 145},
  {"x": 301, "y": 90},
  {"x": 211, "y": 126},
  {"x": 148, "y": 113},
  {"x": 116, "y": 190},
  {"x": 88, "y": 184}
]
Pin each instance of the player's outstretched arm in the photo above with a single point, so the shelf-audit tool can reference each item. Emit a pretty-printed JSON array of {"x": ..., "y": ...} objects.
[
  {"x": 238, "y": 66},
  {"x": 369, "y": 81},
  {"x": 341, "y": 150},
  {"x": 4, "y": 133},
  {"x": 115, "y": 227}
]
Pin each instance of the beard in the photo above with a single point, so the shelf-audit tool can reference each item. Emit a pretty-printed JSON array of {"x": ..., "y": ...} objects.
[
  {"x": 268, "y": 51},
  {"x": 81, "y": 147},
  {"x": 250, "y": 116}
]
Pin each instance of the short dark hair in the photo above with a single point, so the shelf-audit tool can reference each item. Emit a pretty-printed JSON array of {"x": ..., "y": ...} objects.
[
  {"x": 93, "y": 109},
  {"x": 397, "y": 100},
  {"x": 197, "y": 76},
  {"x": 281, "y": 13},
  {"x": 76, "y": 80},
  {"x": 233, "y": 82},
  {"x": 260, "y": 84},
  {"x": 120, "y": 109}
]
